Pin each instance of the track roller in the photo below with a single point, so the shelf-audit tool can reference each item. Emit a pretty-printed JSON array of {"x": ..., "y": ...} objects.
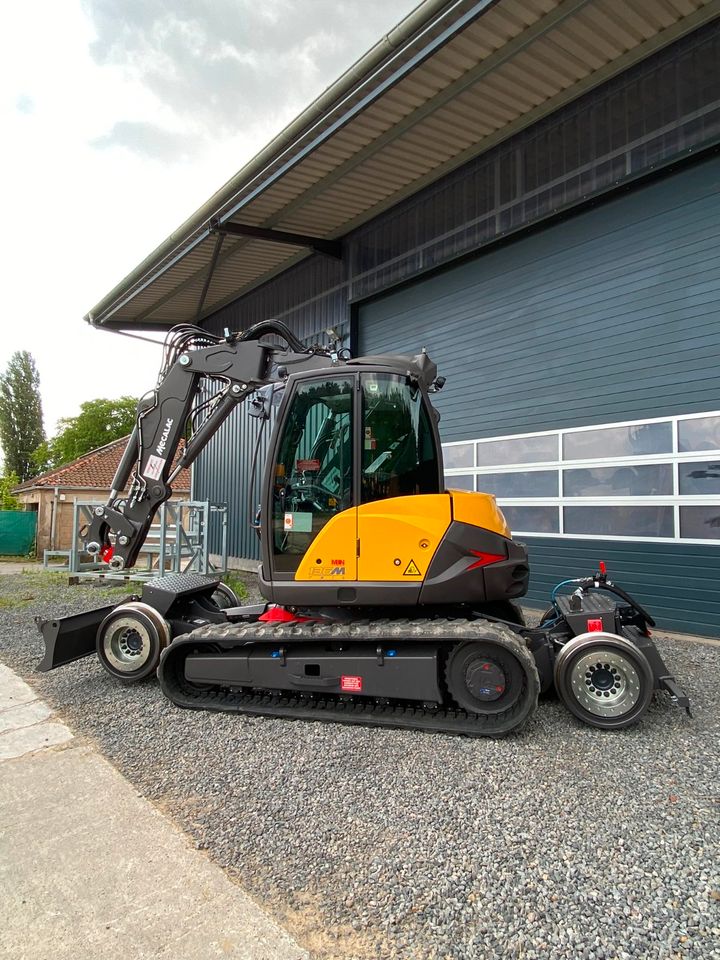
[
  {"x": 604, "y": 679},
  {"x": 131, "y": 639}
]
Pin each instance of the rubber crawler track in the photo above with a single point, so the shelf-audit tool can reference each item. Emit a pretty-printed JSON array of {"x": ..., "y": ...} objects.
[{"x": 323, "y": 706}]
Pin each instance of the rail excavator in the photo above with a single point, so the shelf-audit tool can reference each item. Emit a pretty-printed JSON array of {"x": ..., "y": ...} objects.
[{"x": 390, "y": 600}]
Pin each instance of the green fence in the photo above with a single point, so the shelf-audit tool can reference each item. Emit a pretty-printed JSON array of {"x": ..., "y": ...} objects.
[{"x": 17, "y": 532}]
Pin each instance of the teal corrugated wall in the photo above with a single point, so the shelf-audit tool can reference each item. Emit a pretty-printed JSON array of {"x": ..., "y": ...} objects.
[{"x": 611, "y": 315}]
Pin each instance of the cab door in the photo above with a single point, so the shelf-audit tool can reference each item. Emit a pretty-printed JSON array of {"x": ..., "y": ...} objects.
[{"x": 310, "y": 482}]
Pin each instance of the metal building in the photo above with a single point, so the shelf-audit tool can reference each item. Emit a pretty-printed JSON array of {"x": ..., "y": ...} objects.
[{"x": 531, "y": 190}]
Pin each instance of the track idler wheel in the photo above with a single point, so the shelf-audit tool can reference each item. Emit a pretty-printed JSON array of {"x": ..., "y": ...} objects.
[
  {"x": 604, "y": 679},
  {"x": 497, "y": 680},
  {"x": 130, "y": 640}
]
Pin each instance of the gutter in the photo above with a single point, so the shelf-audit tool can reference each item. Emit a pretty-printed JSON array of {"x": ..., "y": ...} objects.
[{"x": 420, "y": 17}]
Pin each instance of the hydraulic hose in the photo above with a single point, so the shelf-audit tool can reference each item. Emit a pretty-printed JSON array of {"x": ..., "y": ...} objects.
[
  {"x": 588, "y": 583},
  {"x": 277, "y": 327},
  {"x": 619, "y": 592}
]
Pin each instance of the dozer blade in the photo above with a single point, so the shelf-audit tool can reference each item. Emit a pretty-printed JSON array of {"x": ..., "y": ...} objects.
[{"x": 70, "y": 638}]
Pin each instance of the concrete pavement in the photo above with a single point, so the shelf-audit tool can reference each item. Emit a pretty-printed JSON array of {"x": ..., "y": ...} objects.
[{"x": 90, "y": 870}]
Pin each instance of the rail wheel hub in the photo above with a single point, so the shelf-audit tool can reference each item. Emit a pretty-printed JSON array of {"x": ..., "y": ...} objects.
[
  {"x": 131, "y": 643},
  {"x": 605, "y": 682}
]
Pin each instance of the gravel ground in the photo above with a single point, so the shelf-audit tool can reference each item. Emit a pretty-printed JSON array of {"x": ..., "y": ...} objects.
[{"x": 560, "y": 842}]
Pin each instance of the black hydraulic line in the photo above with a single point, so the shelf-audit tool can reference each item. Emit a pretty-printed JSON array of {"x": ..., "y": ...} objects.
[
  {"x": 278, "y": 328},
  {"x": 619, "y": 592},
  {"x": 207, "y": 430},
  {"x": 127, "y": 462}
]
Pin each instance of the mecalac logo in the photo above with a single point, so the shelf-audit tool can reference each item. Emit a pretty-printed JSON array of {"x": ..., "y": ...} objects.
[{"x": 160, "y": 448}]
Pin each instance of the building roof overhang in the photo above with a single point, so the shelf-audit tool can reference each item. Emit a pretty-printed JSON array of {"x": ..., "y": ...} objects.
[{"x": 449, "y": 82}]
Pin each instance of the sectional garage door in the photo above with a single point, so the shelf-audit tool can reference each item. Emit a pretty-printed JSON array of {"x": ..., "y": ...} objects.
[{"x": 583, "y": 389}]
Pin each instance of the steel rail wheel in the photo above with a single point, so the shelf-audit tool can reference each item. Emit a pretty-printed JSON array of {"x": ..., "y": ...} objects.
[
  {"x": 130, "y": 640},
  {"x": 604, "y": 680}
]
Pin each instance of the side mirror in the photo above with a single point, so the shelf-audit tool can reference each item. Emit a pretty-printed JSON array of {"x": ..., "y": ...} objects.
[{"x": 261, "y": 403}]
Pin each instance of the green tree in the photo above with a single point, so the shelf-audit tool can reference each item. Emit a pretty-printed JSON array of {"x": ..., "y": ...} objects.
[
  {"x": 21, "y": 422},
  {"x": 99, "y": 422},
  {"x": 8, "y": 482}
]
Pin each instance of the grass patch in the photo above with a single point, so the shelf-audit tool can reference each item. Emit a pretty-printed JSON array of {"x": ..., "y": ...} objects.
[
  {"x": 44, "y": 578},
  {"x": 232, "y": 579},
  {"x": 9, "y": 603}
]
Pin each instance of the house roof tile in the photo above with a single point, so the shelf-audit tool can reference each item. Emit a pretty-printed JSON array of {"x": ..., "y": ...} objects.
[{"x": 95, "y": 469}]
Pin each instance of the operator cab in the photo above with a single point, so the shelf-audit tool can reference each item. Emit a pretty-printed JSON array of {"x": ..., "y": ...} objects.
[{"x": 344, "y": 439}]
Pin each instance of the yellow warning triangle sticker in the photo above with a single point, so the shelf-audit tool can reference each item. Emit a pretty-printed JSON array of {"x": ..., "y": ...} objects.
[{"x": 411, "y": 570}]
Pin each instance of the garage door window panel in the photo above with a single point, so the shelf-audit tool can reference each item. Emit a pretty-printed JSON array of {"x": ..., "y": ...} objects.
[
  {"x": 526, "y": 519},
  {"x": 700, "y": 478},
  {"x": 457, "y": 455},
  {"x": 656, "y": 479},
  {"x": 537, "y": 449},
  {"x": 530, "y": 483},
  {"x": 624, "y": 480},
  {"x": 628, "y": 521},
  {"x": 699, "y": 433},
  {"x": 700, "y": 523},
  {"x": 460, "y": 481},
  {"x": 636, "y": 440}
]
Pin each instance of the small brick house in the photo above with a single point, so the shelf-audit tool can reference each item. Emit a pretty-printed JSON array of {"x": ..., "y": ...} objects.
[{"x": 53, "y": 493}]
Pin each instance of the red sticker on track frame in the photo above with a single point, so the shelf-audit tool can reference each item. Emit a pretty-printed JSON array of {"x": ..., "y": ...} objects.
[{"x": 351, "y": 684}]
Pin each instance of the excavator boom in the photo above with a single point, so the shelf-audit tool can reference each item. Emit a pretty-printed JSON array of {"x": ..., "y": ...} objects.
[{"x": 241, "y": 363}]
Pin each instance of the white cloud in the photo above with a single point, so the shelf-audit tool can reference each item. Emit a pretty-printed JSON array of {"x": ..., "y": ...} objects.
[{"x": 120, "y": 119}]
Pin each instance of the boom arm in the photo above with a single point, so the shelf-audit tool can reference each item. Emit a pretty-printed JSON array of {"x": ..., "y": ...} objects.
[{"x": 243, "y": 363}]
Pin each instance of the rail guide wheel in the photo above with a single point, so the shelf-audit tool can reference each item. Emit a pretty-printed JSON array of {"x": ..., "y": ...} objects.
[
  {"x": 130, "y": 640},
  {"x": 604, "y": 679},
  {"x": 225, "y": 597},
  {"x": 496, "y": 679}
]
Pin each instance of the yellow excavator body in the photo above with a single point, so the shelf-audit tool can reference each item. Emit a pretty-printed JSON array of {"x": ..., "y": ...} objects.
[{"x": 394, "y": 539}]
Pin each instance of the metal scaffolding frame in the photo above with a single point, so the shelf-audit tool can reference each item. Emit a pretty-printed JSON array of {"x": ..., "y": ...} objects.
[{"x": 178, "y": 542}]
